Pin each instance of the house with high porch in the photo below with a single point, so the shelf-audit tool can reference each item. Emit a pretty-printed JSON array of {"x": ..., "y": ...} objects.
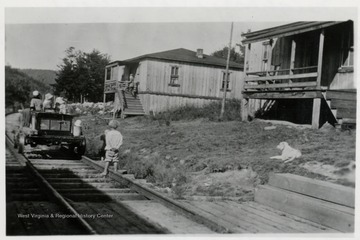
[
  {"x": 302, "y": 72},
  {"x": 171, "y": 79}
]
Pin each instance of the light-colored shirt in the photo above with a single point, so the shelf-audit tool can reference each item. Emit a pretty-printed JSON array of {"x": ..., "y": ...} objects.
[
  {"x": 36, "y": 103},
  {"x": 113, "y": 139},
  {"x": 47, "y": 104}
]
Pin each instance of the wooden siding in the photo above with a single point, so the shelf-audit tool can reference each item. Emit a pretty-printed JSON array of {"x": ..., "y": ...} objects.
[
  {"x": 255, "y": 57},
  {"x": 159, "y": 103},
  {"x": 194, "y": 80},
  {"x": 343, "y": 81}
]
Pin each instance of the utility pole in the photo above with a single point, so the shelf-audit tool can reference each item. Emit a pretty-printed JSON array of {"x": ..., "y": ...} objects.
[{"x": 226, "y": 75}]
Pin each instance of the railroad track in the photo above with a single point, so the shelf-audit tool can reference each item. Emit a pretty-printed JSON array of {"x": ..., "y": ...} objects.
[
  {"x": 49, "y": 181},
  {"x": 116, "y": 204}
]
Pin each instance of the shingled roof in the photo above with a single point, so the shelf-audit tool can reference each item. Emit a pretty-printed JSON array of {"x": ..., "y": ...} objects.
[{"x": 184, "y": 55}]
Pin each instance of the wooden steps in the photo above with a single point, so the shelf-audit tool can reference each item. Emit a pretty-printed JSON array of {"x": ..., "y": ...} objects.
[
  {"x": 317, "y": 201},
  {"x": 133, "y": 105}
]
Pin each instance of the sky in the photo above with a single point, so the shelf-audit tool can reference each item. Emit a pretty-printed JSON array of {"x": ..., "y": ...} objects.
[
  {"x": 38, "y": 37},
  {"x": 44, "y": 45}
]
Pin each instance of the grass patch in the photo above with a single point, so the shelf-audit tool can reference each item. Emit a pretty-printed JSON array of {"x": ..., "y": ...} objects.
[{"x": 210, "y": 111}]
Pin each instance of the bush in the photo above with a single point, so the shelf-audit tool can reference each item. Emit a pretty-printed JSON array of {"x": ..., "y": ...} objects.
[
  {"x": 210, "y": 111},
  {"x": 156, "y": 170}
]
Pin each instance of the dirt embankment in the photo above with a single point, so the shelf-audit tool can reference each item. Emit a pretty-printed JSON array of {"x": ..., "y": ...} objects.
[{"x": 228, "y": 159}]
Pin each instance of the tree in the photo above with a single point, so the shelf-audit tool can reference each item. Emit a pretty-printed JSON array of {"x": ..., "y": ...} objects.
[
  {"x": 234, "y": 56},
  {"x": 81, "y": 75},
  {"x": 17, "y": 87}
]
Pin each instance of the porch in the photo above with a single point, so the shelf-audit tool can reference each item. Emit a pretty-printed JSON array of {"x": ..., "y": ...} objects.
[{"x": 296, "y": 61}]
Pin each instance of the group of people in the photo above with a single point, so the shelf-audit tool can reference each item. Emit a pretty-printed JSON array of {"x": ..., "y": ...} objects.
[
  {"x": 113, "y": 139},
  {"x": 48, "y": 105},
  {"x": 38, "y": 105}
]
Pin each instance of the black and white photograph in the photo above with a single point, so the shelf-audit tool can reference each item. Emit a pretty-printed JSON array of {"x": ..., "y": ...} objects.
[{"x": 171, "y": 121}]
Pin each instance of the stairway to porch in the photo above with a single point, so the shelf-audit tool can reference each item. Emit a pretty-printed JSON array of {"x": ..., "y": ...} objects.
[
  {"x": 343, "y": 106},
  {"x": 132, "y": 104}
]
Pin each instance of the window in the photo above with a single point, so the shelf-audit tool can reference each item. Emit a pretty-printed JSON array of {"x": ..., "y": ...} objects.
[
  {"x": 224, "y": 80},
  {"x": 108, "y": 73},
  {"x": 174, "y": 77},
  {"x": 57, "y": 125}
]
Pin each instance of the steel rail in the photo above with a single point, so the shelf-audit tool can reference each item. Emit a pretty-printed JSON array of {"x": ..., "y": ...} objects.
[
  {"x": 168, "y": 202},
  {"x": 147, "y": 192},
  {"x": 51, "y": 191}
]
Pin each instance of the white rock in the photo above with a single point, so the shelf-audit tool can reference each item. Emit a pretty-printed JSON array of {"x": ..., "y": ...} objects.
[{"x": 270, "y": 128}]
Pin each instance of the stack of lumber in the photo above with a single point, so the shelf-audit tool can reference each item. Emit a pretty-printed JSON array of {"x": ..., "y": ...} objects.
[{"x": 321, "y": 202}]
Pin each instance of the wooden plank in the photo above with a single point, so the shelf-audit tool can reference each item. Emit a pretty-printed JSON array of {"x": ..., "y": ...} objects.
[
  {"x": 161, "y": 216},
  {"x": 237, "y": 217},
  {"x": 322, "y": 212},
  {"x": 279, "y": 220},
  {"x": 339, "y": 103},
  {"x": 282, "y": 95},
  {"x": 280, "y": 85},
  {"x": 311, "y": 187},
  {"x": 320, "y": 58},
  {"x": 316, "y": 113},
  {"x": 346, "y": 113},
  {"x": 152, "y": 93},
  {"x": 292, "y": 221},
  {"x": 343, "y": 95},
  {"x": 257, "y": 219},
  {"x": 231, "y": 228},
  {"x": 280, "y": 77}
]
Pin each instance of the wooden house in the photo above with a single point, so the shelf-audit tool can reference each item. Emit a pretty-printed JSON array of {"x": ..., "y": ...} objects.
[
  {"x": 171, "y": 79},
  {"x": 303, "y": 70}
]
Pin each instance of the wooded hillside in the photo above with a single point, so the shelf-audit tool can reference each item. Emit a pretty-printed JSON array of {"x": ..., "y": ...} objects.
[
  {"x": 42, "y": 75},
  {"x": 19, "y": 86}
]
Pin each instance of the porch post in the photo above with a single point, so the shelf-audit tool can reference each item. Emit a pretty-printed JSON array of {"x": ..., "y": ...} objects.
[
  {"x": 244, "y": 109},
  {"x": 316, "y": 113},
  {"x": 292, "y": 56},
  {"x": 317, "y": 101},
  {"x": 104, "y": 87},
  {"x": 320, "y": 58},
  {"x": 245, "y": 101}
]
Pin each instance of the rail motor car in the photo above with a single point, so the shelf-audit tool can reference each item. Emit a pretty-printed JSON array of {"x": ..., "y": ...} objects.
[{"x": 50, "y": 128}]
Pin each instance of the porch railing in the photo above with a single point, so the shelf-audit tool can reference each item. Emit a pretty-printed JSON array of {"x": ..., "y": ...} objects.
[{"x": 281, "y": 80}]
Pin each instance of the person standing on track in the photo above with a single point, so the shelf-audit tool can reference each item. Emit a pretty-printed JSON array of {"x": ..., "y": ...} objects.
[{"x": 114, "y": 140}]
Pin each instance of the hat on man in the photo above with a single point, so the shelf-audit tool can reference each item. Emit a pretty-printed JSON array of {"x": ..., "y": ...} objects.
[
  {"x": 35, "y": 93},
  {"x": 113, "y": 124}
]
